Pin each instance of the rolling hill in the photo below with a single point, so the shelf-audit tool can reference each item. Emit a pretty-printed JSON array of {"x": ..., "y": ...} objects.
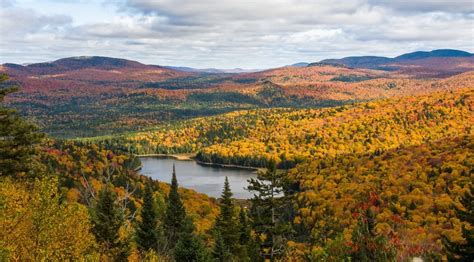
[{"x": 89, "y": 96}]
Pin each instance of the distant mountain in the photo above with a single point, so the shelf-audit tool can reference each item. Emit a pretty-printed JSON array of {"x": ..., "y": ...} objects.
[
  {"x": 358, "y": 61},
  {"x": 300, "y": 64},
  {"x": 436, "y": 63},
  {"x": 213, "y": 70},
  {"x": 79, "y": 63},
  {"x": 434, "y": 53}
]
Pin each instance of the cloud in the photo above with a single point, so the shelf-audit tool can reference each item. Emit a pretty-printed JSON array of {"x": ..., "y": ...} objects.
[
  {"x": 423, "y": 6},
  {"x": 17, "y": 21},
  {"x": 237, "y": 33}
]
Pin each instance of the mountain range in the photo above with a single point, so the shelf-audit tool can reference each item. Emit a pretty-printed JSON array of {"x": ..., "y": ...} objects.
[
  {"x": 84, "y": 96},
  {"x": 440, "y": 59},
  {"x": 441, "y": 62}
]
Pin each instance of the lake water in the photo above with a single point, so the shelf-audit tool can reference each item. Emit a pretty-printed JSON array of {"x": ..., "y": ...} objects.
[{"x": 204, "y": 179}]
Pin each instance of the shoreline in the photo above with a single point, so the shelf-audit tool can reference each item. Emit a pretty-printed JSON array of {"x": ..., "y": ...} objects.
[
  {"x": 180, "y": 157},
  {"x": 227, "y": 165},
  {"x": 192, "y": 157}
]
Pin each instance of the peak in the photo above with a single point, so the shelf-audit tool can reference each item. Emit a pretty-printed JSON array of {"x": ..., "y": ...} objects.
[{"x": 435, "y": 53}]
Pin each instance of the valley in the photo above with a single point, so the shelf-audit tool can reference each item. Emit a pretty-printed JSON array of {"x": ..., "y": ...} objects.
[{"x": 341, "y": 147}]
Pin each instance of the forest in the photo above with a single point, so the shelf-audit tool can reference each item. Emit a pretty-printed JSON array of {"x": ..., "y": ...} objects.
[
  {"x": 383, "y": 180},
  {"x": 74, "y": 97}
]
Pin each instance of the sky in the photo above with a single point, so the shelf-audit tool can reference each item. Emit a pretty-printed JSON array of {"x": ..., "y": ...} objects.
[{"x": 250, "y": 34}]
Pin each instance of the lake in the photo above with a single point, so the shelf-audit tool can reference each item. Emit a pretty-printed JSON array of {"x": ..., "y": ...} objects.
[{"x": 205, "y": 179}]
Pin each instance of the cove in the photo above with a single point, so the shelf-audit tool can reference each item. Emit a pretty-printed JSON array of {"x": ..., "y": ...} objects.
[{"x": 202, "y": 178}]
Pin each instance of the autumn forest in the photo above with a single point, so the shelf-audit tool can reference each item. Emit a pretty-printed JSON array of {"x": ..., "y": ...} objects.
[{"x": 355, "y": 162}]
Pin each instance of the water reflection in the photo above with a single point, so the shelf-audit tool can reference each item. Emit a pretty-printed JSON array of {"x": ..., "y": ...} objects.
[{"x": 204, "y": 179}]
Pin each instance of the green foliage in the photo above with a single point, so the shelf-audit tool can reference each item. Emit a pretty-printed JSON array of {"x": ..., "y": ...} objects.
[
  {"x": 220, "y": 252},
  {"x": 351, "y": 78},
  {"x": 190, "y": 82},
  {"x": 108, "y": 218},
  {"x": 18, "y": 139},
  {"x": 247, "y": 247},
  {"x": 189, "y": 247},
  {"x": 147, "y": 234},
  {"x": 225, "y": 97},
  {"x": 175, "y": 214},
  {"x": 227, "y": 223},
  {"x": 267, "y": 206}
]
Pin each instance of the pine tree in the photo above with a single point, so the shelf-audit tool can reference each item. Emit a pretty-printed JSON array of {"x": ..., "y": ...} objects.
[
  {"x": 175, "y": 213},
  {"x": 463, "y": 251},
  {"x": 244, "y": 228},
  {"x": 226, "y": 223},
  {"x": 18, "y": 139},
  {"x": 147, "y": 235},
  {"x": 246, "y": 244},
  {"x": 220, "y": 252},
  {"x": 189, "y": 247},
  {"x": 267, "y": 205},
  {"x": 107, "y": 219}
]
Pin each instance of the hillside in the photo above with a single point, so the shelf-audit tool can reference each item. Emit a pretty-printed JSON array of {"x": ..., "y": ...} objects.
[
  {"x": 295, "y": 135},
  {"x": 402, "y": 161},
  {"x": 408, "y": 158},
  {"x": 413, "y": 190},
  {"x": 89, "y": 96}
]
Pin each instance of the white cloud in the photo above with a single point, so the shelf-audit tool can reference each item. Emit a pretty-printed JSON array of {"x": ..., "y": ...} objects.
[{"x": 232, "y": 33}]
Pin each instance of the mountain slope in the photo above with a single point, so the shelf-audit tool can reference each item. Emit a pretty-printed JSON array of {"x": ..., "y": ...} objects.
[
  {"x": 83, "y": 64},
  {"x": 294, "y": 135},
  {"x": 90, "y": 96}
]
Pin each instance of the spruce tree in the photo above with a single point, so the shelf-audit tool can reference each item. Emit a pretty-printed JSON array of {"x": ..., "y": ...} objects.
[
  {"x": 226, "y": 223},
  {"x": 18, "y": 139},
  {"x": 267, "y": 205},
  {"x": 246, "y": 244},
  {"x": 189, "y": 247},
  {"x": 175, "y": 213},
  {"x": 147, "y": 234},
  {"x": 220, "y": 252},
  {"x": 107, "y": 219},
  {"x": 244, "y": 229},
  {"x": 463, "y": 251}
]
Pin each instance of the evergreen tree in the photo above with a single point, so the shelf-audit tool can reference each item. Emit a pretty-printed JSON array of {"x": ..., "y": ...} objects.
[
  {"x": 175, "y": 213},
  {"x": 246, "y": 243},
  {"x": 18, "y": 139},
  {"x": 107, "y": 219},
  {"x": 220, "y": 252},
  {"x": 244, "y": 228},
  {"x": 189, "y": 247},
  {"x": 147, "y": 235},
  {"x": 226, "y": 223},
  {"x": 267, "y": 205},
  {"x": 463, "y": 251}
]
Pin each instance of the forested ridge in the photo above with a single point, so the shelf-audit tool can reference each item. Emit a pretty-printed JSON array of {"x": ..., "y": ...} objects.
[
  {"x": 290, "y": 136},
  {"x": 90, "y": 96}
]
